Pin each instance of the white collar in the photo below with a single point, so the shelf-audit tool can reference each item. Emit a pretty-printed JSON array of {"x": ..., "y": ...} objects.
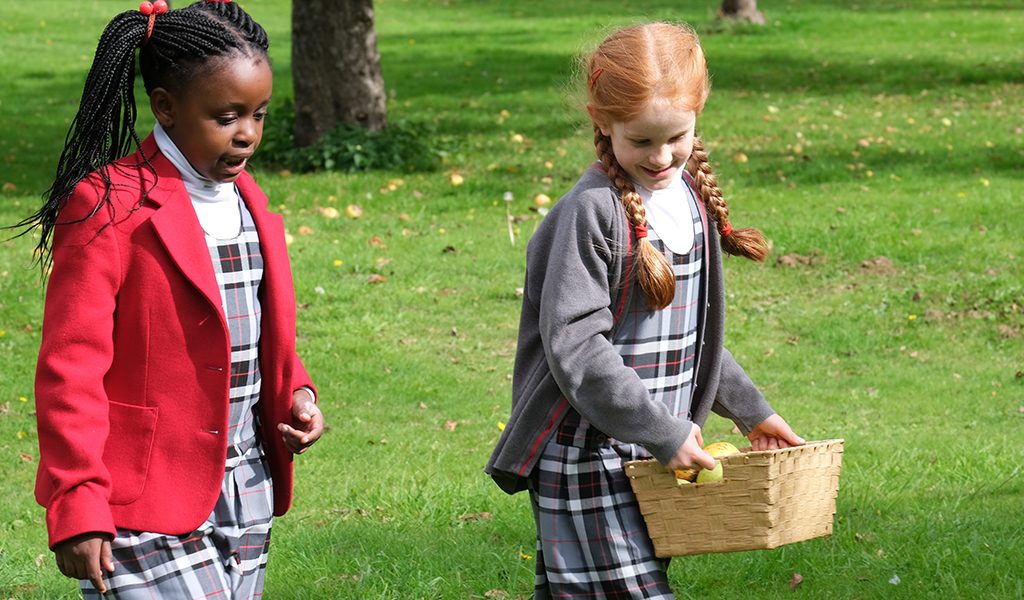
[
  {"x": 668, "y": 213},
  {"x": 201, "y": 189}
]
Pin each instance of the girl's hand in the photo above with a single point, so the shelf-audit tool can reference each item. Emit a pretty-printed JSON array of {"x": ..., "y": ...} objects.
[
  {"x": 307, "y": 423},
  {"x": 691, "y": 454},
  {"x": 86, "y": 556},
  {"x": 773, "y": 433}
]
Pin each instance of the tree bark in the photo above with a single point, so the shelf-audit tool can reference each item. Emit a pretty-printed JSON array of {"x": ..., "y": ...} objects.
[
  {"x": 742, "y": 10},
  {"x": 335, "y": 68}
]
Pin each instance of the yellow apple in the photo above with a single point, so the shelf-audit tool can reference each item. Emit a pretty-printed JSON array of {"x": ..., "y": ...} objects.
[{"x": 720, "y": 449}]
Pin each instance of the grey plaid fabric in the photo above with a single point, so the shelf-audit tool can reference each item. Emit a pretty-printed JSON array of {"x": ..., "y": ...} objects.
[
  {"x": 226, "y": 557},
  {"x": 591, "y": 538}
]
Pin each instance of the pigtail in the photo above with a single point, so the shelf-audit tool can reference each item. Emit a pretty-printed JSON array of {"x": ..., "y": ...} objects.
[
  {"x": 102, "y": 131},
  {"x": 653, "y": 272},
  {"x": 749, "y": 242}
]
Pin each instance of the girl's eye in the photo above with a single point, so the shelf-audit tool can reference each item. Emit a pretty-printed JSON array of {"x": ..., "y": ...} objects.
[
  {"x": 260, "y": 115},
  {"x": 226, "y": 120}
]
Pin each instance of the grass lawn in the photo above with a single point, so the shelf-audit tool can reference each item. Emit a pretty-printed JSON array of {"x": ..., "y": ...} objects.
[{"x": 877, "y": 144}]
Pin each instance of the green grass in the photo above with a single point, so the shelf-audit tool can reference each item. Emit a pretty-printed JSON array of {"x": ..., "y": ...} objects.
[{"x": 889, "y": 129}]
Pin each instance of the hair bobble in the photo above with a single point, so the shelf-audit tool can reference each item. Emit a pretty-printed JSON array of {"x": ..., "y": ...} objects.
[
  {"x": 726, "y": 230},
  {"x": 151, "y": 10},
  {"x": 641, "y": 231},
  {"x": 593, "y": 78}
]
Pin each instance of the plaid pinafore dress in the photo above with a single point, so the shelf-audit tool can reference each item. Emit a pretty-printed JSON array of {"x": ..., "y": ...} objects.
[
  {"x": 226, "y": 557},
  {"x": 591, "y": 538}
]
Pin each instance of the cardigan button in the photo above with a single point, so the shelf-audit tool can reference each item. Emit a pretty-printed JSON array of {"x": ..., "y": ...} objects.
[{"x": 215, "y": 368}]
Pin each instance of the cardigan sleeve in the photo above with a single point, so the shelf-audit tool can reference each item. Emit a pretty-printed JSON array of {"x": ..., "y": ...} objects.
[
  {"x": 738, "y": 399},
  {"x": 568, "y": 279},
  {"x": 75, "y": 354}
]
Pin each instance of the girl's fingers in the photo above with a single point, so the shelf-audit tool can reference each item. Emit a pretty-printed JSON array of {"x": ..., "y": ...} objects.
[
  {"x": 107, "y": 557},
  {"x": 705, "y": 460}
]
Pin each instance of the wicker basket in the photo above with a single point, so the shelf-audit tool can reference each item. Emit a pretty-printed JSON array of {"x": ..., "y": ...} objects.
[{"x": 767, "y": 499}]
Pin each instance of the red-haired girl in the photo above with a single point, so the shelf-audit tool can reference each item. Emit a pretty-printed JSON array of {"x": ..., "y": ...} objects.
[{"x": 620, "y": 349}]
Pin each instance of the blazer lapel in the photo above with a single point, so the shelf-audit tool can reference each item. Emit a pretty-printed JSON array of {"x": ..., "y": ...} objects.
[{"x": 177, "y": 226}]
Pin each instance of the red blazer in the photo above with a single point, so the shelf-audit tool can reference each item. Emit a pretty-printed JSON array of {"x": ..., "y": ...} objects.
[{"x": 133, "y": 374}]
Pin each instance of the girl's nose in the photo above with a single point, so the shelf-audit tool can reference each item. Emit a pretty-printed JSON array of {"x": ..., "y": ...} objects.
[
  {"x": 247, "y": 133},
  {"x": 661, "y": 156}
]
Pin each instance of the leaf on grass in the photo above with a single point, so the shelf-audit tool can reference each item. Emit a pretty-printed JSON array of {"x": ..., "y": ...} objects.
[
  {"x": 422, "y": 406},
  {"x": 456, "y": 179},
  {"x": 479, "y": 516},
  {"x": 353, "y": 211},
  {"x": 376, "y": 242},
  {"x": 9, "y": 187},
  {"x": 26, "y": 457},
  {"x": 376, "y": 278},
  {"x": 382, "y": 262},
  {"x": 496, "y": 594},
  {"x": 305, "y": 230},
  {"x": 450, "y": 425},
  {"x": 795, "y": 581},
  {"x": 881, "y": 264}
]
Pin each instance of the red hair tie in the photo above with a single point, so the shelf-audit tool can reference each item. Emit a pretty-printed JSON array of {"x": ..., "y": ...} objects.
[
  {"x": 593, "y": 77},
  {"x": 641, "y": 231},
  {"x": 726, "y": 230},
  {"x": 151, "y": 10}
]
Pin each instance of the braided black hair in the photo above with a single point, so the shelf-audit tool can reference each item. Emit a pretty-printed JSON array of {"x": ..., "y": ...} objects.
[{"x": 181, "y": 43}]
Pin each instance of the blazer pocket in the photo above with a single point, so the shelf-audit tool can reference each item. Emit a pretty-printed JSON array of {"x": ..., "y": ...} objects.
[{"x": 128, "y": 450}]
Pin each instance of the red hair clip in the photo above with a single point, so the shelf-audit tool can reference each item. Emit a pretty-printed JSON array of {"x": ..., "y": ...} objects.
[
  {"x": 593, "y": 77},
  {"x": 151, "y": 10}
]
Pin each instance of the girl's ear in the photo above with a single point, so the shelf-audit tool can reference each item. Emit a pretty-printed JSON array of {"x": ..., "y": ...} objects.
[
  {"x": 605, "y": 129},
  {"x": 161, "y": 102}
]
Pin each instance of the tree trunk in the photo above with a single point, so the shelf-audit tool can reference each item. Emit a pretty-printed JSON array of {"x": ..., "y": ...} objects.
[
  {"x": 335, "y": 68},
  {"x": 742, "y": 10}
]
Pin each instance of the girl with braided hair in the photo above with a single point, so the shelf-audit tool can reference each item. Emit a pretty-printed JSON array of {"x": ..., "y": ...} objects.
[
  {"x": 170, "y": 398},
  {"x": 620, "y": 351}
]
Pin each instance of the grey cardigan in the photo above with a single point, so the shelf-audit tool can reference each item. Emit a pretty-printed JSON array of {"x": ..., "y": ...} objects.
[{"x": 579, "y": 267}]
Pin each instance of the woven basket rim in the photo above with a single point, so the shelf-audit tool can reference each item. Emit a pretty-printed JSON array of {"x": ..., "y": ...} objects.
[{"x": 748, "y": 453}]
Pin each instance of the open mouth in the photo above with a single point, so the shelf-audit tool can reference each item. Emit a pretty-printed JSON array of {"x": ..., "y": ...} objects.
[{"x": 236, "y": 164}]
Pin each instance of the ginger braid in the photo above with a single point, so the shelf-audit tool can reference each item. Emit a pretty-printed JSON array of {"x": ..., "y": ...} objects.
[
  {"x": 653, "y": 272},
  {"x": 749, "y": 242},
  {"x": 182, "y": 43}
]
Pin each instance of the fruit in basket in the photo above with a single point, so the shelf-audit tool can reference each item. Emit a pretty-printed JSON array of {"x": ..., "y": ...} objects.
[
  {"x": 716, "y": 450},
  {"x": 721, "y": 448},
  {"x": 685, "y": 475},
  {"x": 709, "y": 475}
]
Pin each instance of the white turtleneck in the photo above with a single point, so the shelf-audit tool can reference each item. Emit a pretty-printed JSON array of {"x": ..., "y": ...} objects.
[
  {"x": 216, "y": 204},
  {"x": 668, "y": 213}
]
